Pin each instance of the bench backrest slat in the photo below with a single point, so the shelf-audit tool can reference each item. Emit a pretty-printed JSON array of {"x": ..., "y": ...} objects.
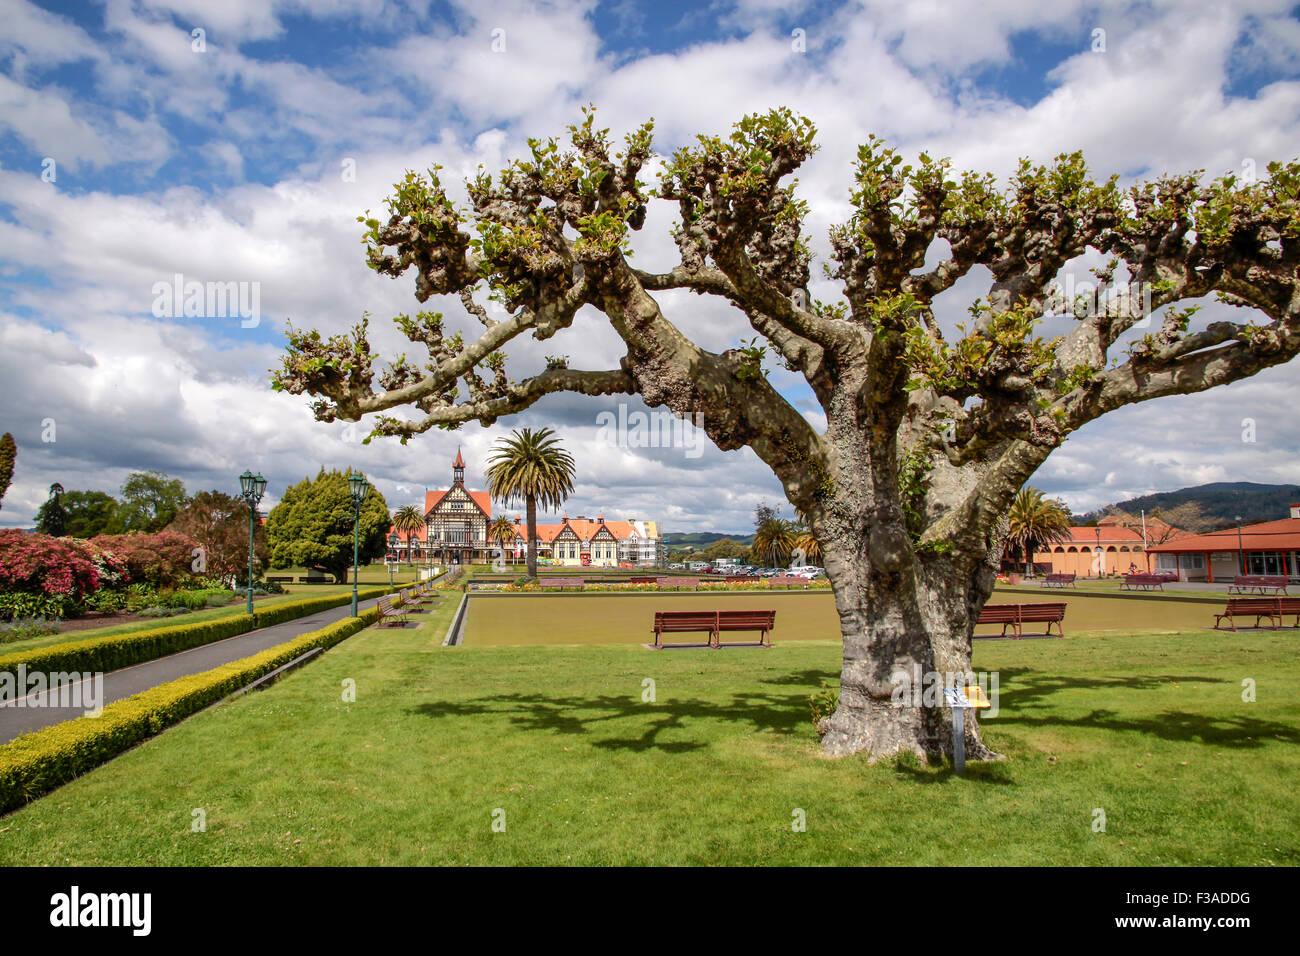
[
  {"x": 743, "y": 618},
  {"x": 1250, "y": 605},
  {"x": 1024, "y": 613}
]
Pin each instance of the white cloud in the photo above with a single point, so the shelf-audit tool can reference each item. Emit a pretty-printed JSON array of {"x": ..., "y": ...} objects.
[
  {"x": 131, "y": 392},
  {"x": 44, "y": 120}
]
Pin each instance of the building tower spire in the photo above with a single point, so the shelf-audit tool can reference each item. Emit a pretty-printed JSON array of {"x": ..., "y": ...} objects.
[{"x": 458, "y": 469}]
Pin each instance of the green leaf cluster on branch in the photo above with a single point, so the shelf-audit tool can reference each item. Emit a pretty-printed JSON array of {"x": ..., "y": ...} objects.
[{"x": 550, "y": 234}]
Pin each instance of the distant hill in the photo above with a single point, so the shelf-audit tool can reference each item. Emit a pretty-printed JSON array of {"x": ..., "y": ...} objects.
[
  {"x": 702, "y": 539},
  {"x": 1221, "y": 501}
]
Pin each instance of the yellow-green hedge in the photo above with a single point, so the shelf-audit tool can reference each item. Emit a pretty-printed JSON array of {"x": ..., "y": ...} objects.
[
  {"x": 38, "y": 762},
  {"x": 279, "y": 613},
  {"x": 135, "y": 647}
]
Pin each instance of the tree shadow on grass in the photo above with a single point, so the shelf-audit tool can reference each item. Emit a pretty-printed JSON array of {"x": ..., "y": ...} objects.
[
  {"x": 1024, "y": 704},
  {"x": 1023, "y": 687},
  {"x": 1175, "y": 725},
  {"x": 781, "y": 714},
  {"x": 994, "y": 772},
  {"x": 812, "y": 679}
]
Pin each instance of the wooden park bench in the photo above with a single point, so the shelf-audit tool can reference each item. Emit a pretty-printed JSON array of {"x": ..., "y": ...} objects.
[
  {"x": 730, "y": 621},
  {"x": 563, "y": 583},
  {"x": 1059, "y": 580},
  {"x": 1258, "y": 584},
  {"x": 713, "y": 623},
  {"x": 679, "y": 582},
  {"x": 1144, "y": 582},
  {"x": 1016, "y": 616},
  {"x": 789, "y": 581},
  {"x": 280, "y": 578},
  {"x": 387, "y": 612},
  {"x": 416, "y": 599},
  {"x": 1273, "y": 608}
]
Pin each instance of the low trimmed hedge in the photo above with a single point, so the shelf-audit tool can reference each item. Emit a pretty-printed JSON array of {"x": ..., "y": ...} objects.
[
  {"x": 36, "y": 763},
  {"x": 122, "y": 650},
  {"x": 113, "y": 651},
  {"x": 295, "y": 609}
]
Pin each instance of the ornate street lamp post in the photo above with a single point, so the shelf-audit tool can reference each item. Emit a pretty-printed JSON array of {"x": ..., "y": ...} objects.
[
  {"x": 251, "y": 489},
  {"x": 358, "y": 488}
]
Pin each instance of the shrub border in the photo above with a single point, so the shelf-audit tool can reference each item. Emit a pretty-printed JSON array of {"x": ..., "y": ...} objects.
[
  {"x": 37, "y": 763},
  {"x": 114, "y": 651}
]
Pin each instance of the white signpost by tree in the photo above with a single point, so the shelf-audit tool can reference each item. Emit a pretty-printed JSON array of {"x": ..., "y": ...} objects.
[{"x": 961, "y": 699}]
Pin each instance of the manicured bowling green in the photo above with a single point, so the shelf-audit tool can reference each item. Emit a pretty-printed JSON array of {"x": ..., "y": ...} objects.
[{"x": 628, "y": 618}]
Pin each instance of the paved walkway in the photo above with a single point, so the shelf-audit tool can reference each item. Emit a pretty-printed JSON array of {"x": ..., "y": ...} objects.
[{"x": 119, "y": 684}]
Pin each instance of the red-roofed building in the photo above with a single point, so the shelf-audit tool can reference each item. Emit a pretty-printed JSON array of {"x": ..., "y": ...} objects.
[
  {"x": 591, "y": 542},
  {"x": 1272, "y": 548},
  {"x": 1107, "y": 548},
  {"x": 455, "y": 525},
  {"x": 455, "y": 532}
]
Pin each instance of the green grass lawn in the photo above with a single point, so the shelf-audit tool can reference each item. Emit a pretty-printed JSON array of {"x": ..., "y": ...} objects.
[{"x": 1149, "y": 728}]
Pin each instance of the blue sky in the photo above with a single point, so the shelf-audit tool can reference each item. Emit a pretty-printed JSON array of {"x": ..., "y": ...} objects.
[{"x": 229, "y": 160}]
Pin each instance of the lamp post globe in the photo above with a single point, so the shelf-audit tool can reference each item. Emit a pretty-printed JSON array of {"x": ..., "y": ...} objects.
[{"x": 358, "y": 489}]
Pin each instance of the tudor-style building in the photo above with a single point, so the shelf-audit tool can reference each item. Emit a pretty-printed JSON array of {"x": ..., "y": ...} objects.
[
  {"x": 591, "y": 542},
  {"x": 455, "y": 525}
]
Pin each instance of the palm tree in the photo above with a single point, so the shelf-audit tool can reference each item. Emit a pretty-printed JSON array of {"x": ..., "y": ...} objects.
[
  {"x": 1035, "y": 521},
  {"x": 502, "y": 531},
  {"x": 773, "y": 540},
  {"x": 806, "y": 541},
  {"x": 531, "y": 467},
  {"x": 408, "y": 521}
]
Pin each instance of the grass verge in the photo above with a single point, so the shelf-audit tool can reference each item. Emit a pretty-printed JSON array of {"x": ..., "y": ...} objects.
[{"x": 712, "y": 763}]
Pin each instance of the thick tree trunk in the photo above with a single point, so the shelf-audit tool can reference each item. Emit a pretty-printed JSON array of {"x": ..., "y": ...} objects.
[
  {"x": 906, "y": 637},
  {"x": 531, "y": 504}
]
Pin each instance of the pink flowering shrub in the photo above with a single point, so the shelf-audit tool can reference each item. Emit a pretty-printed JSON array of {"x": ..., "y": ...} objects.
[
  {"x": 163, "y": 560},
  {"x": 39, "y": 564}
]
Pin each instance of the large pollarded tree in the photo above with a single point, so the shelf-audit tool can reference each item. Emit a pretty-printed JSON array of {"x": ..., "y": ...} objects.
[{"x": 928, "y": 436}]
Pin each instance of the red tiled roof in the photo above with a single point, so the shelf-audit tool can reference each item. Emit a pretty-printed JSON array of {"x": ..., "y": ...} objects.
[
  {"x": 545, "y": 532},
  {"x": 1083, "y": 534},
  {"x": 1280, "y": 535},
  {"x": 583, "y": 528},
  {"x": 419, "y": 534},
  {"x": 482, "y": 498},
  {"x": 1114, "y": 521}
]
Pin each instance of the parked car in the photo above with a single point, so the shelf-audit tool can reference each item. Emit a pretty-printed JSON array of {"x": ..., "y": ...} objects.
[{"x": 808, "y": 571}]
